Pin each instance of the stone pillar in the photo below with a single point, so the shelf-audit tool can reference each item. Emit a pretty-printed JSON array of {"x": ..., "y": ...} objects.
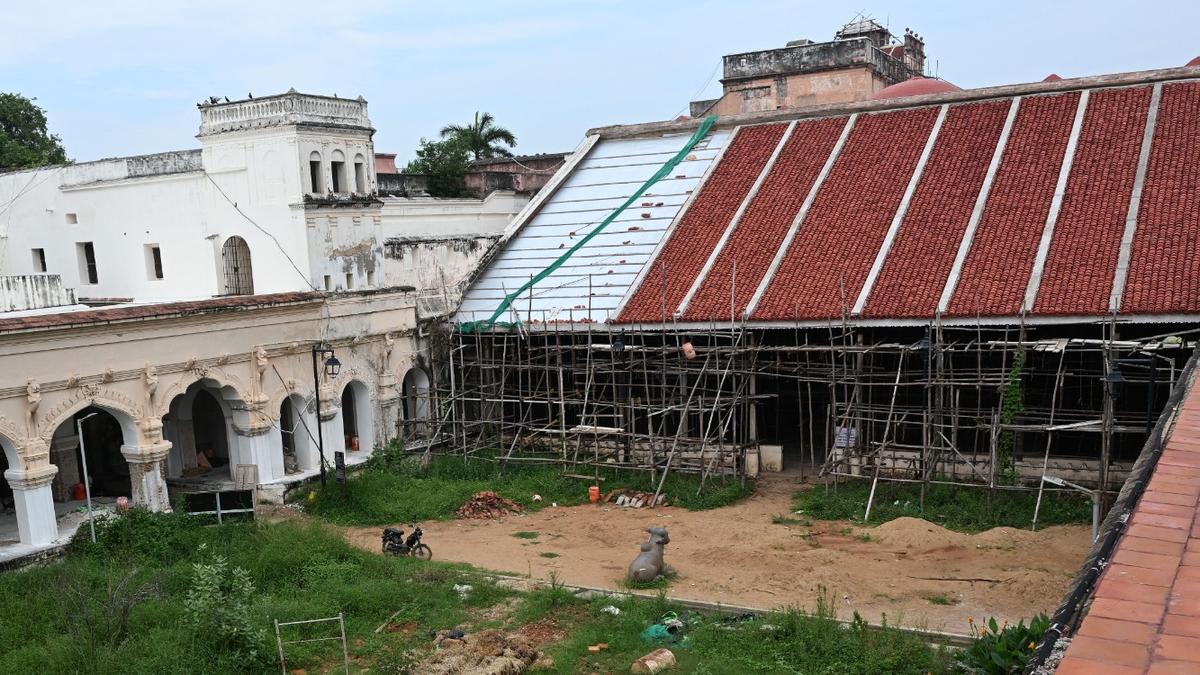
[
  {"x": 387, "y": 426},
  {"x": 252, "y": 427},
  {"x": 331, "y": 426},
  {"x": 147, "y": 460},
  {"x": 37, "y": 523}
]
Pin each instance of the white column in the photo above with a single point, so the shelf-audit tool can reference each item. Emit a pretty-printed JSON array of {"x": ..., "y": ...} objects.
[
  {"x": 36, "y": 521},
  {"x": 256, "y": 445},
  {"x": 147, "y": 474}
]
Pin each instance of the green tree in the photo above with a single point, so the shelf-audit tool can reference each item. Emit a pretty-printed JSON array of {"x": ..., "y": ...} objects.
[
  {"x": 24, "y": 141},
  {"x": 482, "y": 137},
  {"x": 445, "y": 163}
]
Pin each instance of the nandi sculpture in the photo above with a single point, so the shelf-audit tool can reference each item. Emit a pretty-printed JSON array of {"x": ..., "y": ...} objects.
[{"x": 649, "y": 564}]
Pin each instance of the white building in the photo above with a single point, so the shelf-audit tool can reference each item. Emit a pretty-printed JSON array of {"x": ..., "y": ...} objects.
[{"x": 170, "y": 304}]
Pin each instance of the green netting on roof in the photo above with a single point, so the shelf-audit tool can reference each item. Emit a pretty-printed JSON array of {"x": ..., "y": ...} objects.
[{"x": 490, "y": 322}]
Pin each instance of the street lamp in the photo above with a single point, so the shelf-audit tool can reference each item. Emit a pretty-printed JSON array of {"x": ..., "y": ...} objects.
[
  {"x": 332, "y": 368},
  {"x": 87, "y": 482},
  {"x": 1094, "y": 494}
]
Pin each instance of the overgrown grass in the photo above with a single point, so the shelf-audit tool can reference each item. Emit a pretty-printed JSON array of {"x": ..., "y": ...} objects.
[
  {"x": 786, "y": 642},
  {"x": 298, "y": 571},
  {"x": 397, "y": 491},
  {"x": 120, "y": 606},
  {"x": 965, "y": 509}
]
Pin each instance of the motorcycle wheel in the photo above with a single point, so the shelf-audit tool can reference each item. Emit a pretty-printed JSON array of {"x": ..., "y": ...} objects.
[{"x": 422, "y": 551}]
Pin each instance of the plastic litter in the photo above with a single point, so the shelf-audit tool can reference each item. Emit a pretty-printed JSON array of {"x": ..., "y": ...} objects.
[
  {"x": 463, "y": 590},
  {"x": 610, "y": 609}
]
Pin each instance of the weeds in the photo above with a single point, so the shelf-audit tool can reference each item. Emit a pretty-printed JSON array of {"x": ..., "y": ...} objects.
[
  {"x": 397, "y": 489},
  {"x": 548, "y": 554},
  {"x": 957, "y": 508},
  {"x": 525, "y": 534},
  {"x": 788, "y": 520},
  {"x": 1002, "y": 649},
  {"x": 941, "y": 599}
]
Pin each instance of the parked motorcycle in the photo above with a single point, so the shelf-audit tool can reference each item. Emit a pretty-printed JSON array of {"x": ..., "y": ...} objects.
[{"x": 394, "y": 543}]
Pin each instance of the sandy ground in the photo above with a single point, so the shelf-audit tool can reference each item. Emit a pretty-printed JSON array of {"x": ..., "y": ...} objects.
[{"x": 738, "y": 556}]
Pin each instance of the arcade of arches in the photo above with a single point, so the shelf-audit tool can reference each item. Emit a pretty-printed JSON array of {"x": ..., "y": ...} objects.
[{"x": 228, "y": 389}]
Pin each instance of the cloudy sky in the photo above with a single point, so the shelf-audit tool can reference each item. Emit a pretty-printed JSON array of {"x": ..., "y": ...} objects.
[{"x": 121, "y": 77}]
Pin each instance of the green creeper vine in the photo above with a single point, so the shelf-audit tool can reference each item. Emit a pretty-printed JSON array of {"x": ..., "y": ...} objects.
[{"x": 1012, "y": 404}]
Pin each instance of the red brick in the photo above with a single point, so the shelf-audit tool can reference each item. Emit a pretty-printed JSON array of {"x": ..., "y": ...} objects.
[
  {"x": 1127, "y": 610},
  {"x": 1184, "y": 605},
  {"x": 1074, "y": 665},
  {"x": 1128, "y": 590},
  {"x": 1190, "y": 559},
  {"x": 1162, "y": 521},
  {"x": 1178, "y": 624},
  {"x": 1152, "y": 561},
  {"x": 1170, "y": 484},
  {"x": 1111, "y": 651},
  {"x": 1173, "y": 668},
  {"x": 1178, "y": 648},
  {"x": 1144, "y": 545},
  {"x": 1155, "y": 532},
  {"x": 1161, "y": 497},
  {"x": 1173, "y": 510},
  {"x": 1140, "y": 575},
  {"x": 1116, "y": 629},
  {"x": 1189, "y": 575},
  {"x": 1176, "y": 457}
]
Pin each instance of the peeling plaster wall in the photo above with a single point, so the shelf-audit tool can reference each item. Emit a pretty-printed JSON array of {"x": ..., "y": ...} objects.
[
  {"x": 438, "y": 267},
  {"x": 347, "y": 253}
]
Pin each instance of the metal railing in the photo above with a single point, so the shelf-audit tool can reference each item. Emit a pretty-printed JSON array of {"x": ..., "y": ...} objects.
[{"x": 280, "y": 642}]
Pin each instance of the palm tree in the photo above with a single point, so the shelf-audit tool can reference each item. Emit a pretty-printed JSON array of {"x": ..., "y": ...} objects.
[{"x": 482, "y": 138}]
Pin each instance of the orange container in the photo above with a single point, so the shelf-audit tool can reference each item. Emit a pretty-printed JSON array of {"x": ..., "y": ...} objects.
[
  {"x": 78, "y": 492},
  {"x": 594, "y": 494}
]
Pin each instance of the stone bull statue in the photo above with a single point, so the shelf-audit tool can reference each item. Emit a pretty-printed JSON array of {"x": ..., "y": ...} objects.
[{"x": 649, "y": 564}]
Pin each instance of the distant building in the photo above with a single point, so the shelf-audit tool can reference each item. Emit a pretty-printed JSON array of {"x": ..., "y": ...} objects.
[
  {"x": 862, "y": 59},
  {"x": 523, "y": 174}
]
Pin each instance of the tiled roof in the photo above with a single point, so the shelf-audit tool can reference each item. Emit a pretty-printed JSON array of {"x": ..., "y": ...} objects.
[
  {"x": 1145, "y": 615},
  {"x": 1042, "y": 202},
  {"x": 134, "y": 312},
  {"x": 1012, "y": 206}
]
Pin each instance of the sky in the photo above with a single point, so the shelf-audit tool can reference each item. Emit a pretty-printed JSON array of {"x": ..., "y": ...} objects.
[{"x": 122, "y": 77}]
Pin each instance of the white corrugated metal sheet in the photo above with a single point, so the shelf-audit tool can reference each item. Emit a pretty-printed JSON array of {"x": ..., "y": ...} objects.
[{"x": 593, "y": 281}]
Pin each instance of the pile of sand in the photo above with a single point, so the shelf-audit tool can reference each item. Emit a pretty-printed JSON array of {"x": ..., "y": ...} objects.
[{"x": 918, "y": 535}]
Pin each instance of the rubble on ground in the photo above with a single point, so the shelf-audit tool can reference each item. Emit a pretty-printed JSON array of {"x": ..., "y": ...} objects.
[
  {"x": 634, "y": 498},
  {"x": 488, "y": 652},
  {"x": 485, "y": 505}
]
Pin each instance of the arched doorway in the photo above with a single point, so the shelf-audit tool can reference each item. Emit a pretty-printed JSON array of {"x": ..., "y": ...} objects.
[
  {"x": 414, "y": 390},
  {"x": 8, "y": 504},
  {"x": 358, "y": 418},
  {"x": 98, "y": 450},
  {"x": 199, "y": 425},
  {"x": 297, "y": 427},
  {"x": 239, "y": 274}
]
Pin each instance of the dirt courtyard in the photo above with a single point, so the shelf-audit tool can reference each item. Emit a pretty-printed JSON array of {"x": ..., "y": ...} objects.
[{"x": 916, "y": 573}]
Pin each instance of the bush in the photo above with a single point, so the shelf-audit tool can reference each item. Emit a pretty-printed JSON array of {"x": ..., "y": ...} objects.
[
  {"x": 141, "y": 534},
  {"x": 1002, "y": 650},
  {"x": 218, "y": 607}
]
